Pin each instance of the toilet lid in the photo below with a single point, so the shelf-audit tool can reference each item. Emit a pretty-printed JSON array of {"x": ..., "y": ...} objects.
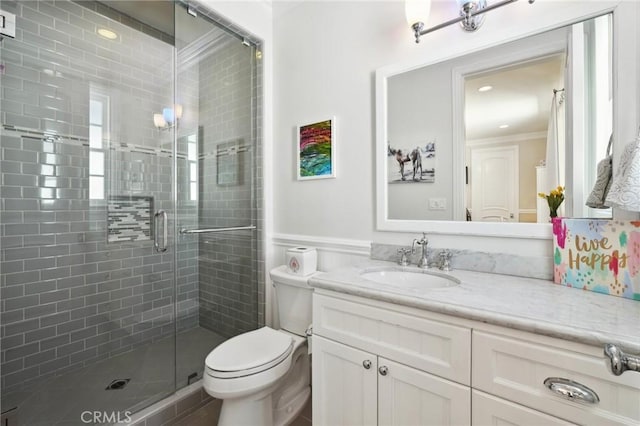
[{"x": 249, "y": 353}]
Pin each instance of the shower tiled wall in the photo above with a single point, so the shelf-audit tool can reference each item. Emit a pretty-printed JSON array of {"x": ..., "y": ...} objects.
[
  {"x": 228, "y": 268},
  {"x": 187, "y": 207},
  {"x": 69, "y": 298}
]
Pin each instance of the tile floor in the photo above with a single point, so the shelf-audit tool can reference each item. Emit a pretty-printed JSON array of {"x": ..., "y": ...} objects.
[{"x": 60, "y": 401}]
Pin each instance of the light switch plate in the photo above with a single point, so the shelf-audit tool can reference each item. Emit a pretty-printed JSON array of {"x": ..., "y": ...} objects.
[{"x": 437, "y": 203}]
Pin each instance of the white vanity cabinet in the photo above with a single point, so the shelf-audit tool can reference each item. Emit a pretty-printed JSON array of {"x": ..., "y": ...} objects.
[
  {"x": 353, "y": 387},
  {"x": 380, "y": 363},
  {"x": 515, "y": 365},
  {"x": 345, "y": 384},
  {"x": 374, "y": 366},
  {"x": 407, "y": 396}
]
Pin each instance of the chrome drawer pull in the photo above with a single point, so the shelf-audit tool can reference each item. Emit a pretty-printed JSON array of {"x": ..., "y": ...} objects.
[
  {"x": 366, "y": 364},
  {"x": 383, "y": 370},
  {"x": 619, "y": 362},
  {"x": 573, "y": 391}
]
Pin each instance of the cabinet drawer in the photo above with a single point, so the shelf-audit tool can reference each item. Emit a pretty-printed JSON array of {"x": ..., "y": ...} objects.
[
  {"x": 490, "y": 410},
  {"x": 432, "y": 346},
  {"x": 516, "y": 369}
]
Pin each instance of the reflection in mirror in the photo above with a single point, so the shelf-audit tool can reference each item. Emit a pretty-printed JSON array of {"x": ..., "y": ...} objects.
[
  {"x": 477, "y": 137},
  {"x": 508, "y": 127}
]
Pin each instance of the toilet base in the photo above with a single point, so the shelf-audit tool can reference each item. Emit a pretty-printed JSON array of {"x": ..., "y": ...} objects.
[
  {"x": 241, "y": 412},
  {"x": 261, "y": 412},
  {"x": 285, "y": 415}
]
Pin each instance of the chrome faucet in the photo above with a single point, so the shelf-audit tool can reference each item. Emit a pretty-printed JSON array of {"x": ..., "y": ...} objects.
[
  {"x": 424, "y": 242},
  {"x": 403, "y": 260},
  {"x": 445, "y": 258}
]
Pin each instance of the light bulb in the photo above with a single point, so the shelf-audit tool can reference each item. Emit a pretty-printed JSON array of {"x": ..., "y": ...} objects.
[
  {"x": 159, "y": 121},
  {"x": 168, "y": 115},
  {"x": 417, "y": 11}
]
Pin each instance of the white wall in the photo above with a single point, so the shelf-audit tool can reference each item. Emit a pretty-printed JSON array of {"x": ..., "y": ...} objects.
[
  {"x": 325, "y": 57},
  {"x": 419, "y": 111},
  {"x": 319, "y": 60}
]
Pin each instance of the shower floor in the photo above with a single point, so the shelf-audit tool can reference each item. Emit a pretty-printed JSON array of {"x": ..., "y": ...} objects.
[{"x": 62, "y": 400}]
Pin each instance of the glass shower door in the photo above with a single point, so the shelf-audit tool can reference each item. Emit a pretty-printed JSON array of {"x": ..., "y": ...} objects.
[
  {"x": 87, "y": 284},
  {"x": 218, "y": 248}
]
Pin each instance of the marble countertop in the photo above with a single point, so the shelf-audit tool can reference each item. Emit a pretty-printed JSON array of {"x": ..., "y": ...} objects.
[{"x": 528, "y": 304}]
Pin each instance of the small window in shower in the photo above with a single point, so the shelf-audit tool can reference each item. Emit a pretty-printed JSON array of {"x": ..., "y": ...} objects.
[
  {"x": 192, "y": 158},
  {"x": 98, "y": 126}
]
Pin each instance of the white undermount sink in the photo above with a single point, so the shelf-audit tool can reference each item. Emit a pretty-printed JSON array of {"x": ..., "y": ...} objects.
[{"x": 410, "y": 278}]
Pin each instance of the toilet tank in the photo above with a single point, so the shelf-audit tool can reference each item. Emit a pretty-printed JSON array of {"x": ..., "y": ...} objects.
[{"x": 294, "y": 300}]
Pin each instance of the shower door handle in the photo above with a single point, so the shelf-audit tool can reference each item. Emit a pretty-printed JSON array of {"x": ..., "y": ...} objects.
[{"x": 156, "y": 243}]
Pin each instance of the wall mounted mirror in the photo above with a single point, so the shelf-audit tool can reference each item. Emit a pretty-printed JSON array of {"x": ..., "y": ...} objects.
[{"x": 477, "y": 137}]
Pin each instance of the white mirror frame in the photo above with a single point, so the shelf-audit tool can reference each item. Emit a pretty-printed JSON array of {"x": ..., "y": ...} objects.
[{"x": 625, "y": 91}]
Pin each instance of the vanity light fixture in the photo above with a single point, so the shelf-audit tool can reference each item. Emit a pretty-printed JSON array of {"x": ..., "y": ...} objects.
[
  {"x": 168, "y": 118},
  {"x": 471, "y": 14}
]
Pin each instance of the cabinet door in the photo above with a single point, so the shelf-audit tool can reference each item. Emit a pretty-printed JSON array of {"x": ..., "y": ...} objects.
[
  {"x": 407, "y": 396},
  {"x": 344, "y": 385},
  {"x": 490, "y": 410}
]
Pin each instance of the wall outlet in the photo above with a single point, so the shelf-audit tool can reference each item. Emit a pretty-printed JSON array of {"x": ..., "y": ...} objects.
[{"x": 437, "y": 203}]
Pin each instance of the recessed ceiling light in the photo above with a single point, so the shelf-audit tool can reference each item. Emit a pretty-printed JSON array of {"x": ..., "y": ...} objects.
[
  {"x": 503, "y": 126},
  {"x": 107, "y": 34},
  {"x": 485, "y": 88}
]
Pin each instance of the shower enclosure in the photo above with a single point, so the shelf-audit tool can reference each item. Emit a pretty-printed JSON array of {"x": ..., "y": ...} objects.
[{"x": 130, "y": 238}]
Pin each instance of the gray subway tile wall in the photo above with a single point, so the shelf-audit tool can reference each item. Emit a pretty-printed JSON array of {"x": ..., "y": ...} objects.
[
  {"x": 228, "y": 294},
  {"x": 69, "y": 298},
  {"x": 257, "y": 78}
]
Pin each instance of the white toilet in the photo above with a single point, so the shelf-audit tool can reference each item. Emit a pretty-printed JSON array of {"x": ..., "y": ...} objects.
[{"x": 263, "y": 376}]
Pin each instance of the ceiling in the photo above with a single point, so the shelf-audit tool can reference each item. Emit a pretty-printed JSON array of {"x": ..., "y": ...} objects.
[
  {"x": 520, "y": 97},
  {"x": 160, "y": 14},
  {"x": 155, "y": 13}
]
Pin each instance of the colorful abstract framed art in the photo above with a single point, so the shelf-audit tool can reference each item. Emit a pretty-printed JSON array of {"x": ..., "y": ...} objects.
[{"x": 316, "y": 156}]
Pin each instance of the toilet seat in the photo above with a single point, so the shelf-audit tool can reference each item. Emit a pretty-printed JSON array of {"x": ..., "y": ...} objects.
[{"x": 249, "y": 353}]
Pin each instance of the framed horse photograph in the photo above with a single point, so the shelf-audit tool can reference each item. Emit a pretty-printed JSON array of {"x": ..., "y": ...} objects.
[
  {"x": 412, "y": 165},
  {"x": 316, "y": 155}
]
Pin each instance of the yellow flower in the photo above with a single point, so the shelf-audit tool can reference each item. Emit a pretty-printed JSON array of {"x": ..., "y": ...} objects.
[{"x": 554, "y": 199}]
